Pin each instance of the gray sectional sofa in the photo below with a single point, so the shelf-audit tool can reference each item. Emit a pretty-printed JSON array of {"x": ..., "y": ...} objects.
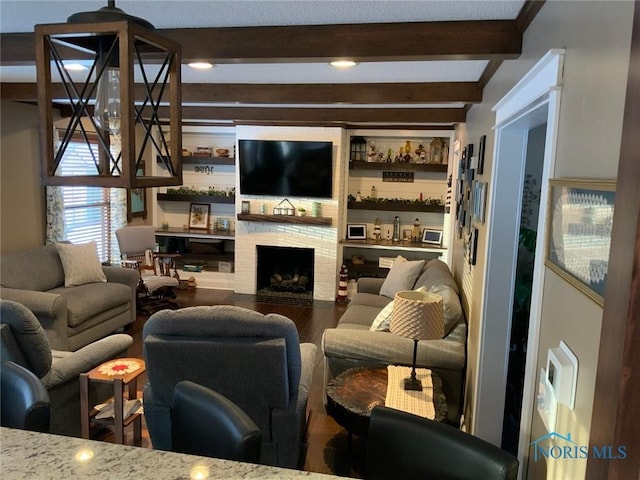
[
  {"x": 353, "y": 344},
  {"x": 74, "y": 316}
]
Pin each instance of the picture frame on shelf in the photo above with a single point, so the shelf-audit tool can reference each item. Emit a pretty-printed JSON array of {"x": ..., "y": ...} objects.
[
  {"x": 578, "y": 238},
  {"x": 246, "y": 206},
  {"x": 431, "y": 236},
  {"x": 199, "y": 216},
  {"x": 356, "y": 231}
]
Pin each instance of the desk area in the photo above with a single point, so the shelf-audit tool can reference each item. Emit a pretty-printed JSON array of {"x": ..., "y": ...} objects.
[{"x": 42, "y": 455}]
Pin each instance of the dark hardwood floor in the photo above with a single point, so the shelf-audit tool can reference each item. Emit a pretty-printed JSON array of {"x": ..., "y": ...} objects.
[{"x": 327, "y": 443}]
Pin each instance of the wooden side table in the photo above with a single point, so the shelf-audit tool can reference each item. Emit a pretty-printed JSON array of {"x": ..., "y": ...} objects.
[
  {"x": 352, "y": 395},
  {"x": 121, "y": 372}
]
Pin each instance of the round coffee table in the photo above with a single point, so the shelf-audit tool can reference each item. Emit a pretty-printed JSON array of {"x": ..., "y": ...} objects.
[{"x": 352, "y": 395}]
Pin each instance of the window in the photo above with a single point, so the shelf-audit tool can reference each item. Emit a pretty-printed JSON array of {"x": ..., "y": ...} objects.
[{"x": 90, "y": 213}]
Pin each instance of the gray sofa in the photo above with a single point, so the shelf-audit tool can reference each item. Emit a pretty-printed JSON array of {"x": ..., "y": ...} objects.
[
  {"x": 72, "y": 317},
  {"x": 352, "y": 344}
]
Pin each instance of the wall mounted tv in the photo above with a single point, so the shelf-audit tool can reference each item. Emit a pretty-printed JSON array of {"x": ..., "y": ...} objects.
[{"x": 286, "y": 168}]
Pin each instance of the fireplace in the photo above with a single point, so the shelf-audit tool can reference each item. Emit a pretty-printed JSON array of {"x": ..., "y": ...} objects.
[{"x": 284, "y": 275}]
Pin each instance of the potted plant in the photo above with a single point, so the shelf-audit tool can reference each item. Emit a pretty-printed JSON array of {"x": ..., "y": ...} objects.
[{"x": 302, "y": 212}]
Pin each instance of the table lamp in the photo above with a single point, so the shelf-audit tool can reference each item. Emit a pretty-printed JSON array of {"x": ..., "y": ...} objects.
[{"x": 419, "y": 316}]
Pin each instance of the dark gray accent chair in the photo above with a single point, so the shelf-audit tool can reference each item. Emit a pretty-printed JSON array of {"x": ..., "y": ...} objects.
[
  {"x": 23, "y": 341},
  {"x": 205, "y": 423},
  {"x": 402, "y": 445},
  {"x": 24, "y": 401},
  {"x": 254, "y": 360},
  {"x": 72, "y": 317}
]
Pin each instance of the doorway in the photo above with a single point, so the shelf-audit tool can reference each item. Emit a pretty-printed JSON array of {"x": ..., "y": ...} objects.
[{"x": 533, "y": 103}]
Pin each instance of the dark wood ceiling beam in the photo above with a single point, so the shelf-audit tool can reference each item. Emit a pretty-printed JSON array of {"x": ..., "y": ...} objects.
[
  {"x": 322, "y": 115},
  {"x": 464, "y": 40},
  {"x": 460, "y": 40},
  {"x": 361, "y": 93}
]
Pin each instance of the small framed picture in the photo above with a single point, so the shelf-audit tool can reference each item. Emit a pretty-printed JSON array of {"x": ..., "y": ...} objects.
[
  {"x": 246, "y": 206},
  {"x": 433, "y": 237},
  {"x": 356, "y": 231},
  {"x": 199, "y": 216}
]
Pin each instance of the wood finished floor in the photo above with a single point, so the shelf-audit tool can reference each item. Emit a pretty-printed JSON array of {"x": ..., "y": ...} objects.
[{"x": 327, "y": 443}]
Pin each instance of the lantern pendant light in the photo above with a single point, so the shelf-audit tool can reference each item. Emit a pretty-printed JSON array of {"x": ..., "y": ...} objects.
[{"x": 117, "y": 118}]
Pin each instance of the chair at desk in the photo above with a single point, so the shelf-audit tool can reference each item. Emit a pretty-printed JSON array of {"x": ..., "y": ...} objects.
[
  {"x": 203, "y": 422},
  {"x": 402, "y": 445},
  {"x": 155, "y": 289},
  {"x": 24, "y": 399}
]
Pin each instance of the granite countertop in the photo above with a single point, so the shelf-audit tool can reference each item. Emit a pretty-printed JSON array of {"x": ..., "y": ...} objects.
[{"x": 41, "y": 455}]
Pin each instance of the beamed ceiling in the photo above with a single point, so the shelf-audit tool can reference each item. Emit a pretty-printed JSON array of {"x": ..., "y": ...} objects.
[{"x": 456, "y": 59}]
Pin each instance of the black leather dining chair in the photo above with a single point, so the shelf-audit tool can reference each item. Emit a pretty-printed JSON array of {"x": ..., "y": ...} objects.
[
  {"x": 203, "y": 422},
  {"x": 402, "y": 445},
  {"x": 24, "y": 401}
]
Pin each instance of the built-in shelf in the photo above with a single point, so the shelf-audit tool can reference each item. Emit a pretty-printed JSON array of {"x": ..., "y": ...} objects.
[
  {"x": 194, "y": 160},
  {"x": 414, "y": 167},
  {"x": 180, "y": 197},
  {"x": 391, "y": 245},
  {"x": 251, "y": 217},
  {"x": 395, "y": 206},
  {"x": 196, "y": 233}
]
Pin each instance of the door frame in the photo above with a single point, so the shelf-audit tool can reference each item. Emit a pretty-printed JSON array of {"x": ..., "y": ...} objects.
[{"x": 535, "y": 99}]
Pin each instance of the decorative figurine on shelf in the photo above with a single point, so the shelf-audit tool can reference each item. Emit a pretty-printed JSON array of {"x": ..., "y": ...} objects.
[
  {"x": 445, "y": 154},
  {"x": 358, "y": 197},
  {"x": 435, "y": 150},
  {"x": 374, "y": 192},
  {"x": 372, "y": 154},
  {"x": 407, "y": 146},
  {"x": 396, "y": 228},
  {"x": 342, "y": 285},
  {"x": 389, "y": 154},
  {"x": 416, "y": 230},
  {"x": 377, "y": 230}
]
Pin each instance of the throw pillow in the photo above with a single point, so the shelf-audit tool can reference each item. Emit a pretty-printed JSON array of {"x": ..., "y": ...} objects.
[
  {"x": 383, "y": 319},
  {"x": 402, "y": 276},
  {"x": 80, "y": 263}
]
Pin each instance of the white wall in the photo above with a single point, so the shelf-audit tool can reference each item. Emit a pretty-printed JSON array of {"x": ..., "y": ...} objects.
[
  {"x": 22, "y": 206},
  {"x": 596, "y": 36}
]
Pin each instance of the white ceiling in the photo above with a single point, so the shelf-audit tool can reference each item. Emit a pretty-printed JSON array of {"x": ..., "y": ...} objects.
[{"x": 22, "y": 15}]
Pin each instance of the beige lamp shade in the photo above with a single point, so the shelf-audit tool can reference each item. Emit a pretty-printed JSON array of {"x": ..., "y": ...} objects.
[{"x": 417, "y": 315}]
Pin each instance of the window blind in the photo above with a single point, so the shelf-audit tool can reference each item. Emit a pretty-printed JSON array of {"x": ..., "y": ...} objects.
[{"x": 87, "y": 210}]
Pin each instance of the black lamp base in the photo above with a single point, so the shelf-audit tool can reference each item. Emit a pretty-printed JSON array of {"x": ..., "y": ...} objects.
[{"x": 412, "y": 383}]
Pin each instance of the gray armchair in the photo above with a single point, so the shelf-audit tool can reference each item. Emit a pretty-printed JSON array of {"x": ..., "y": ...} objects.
[
  {"x": 23, "y": 341},
  {"x": 254, "y": 360}
]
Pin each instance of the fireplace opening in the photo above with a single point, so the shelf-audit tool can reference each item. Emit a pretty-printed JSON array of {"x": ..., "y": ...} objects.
[{"x": 284, "y": 275}]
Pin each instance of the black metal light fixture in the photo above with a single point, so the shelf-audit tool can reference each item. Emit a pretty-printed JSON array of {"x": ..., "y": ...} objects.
[{"x": 115, "y": 47}]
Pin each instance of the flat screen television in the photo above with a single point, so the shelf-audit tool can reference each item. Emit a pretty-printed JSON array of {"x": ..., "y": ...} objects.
[{"x": 286, "y": 168}]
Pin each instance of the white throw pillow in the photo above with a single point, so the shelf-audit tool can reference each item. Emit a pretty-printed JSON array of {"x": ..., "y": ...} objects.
[
  {"x": 80, "y": 263},
  {"x": 383, "y": 319},
  {"x": 402, "y": 276}
]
